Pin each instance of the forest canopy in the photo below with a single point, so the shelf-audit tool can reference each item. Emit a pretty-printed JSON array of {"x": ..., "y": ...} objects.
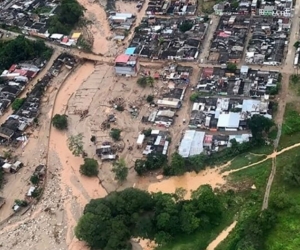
[
  {"x": 22, "y": 49},
  {"x": 110, "y": 222}
]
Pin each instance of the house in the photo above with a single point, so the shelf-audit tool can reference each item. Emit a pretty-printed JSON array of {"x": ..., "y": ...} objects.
[
  {"x": 126, "y": 65},
  {"x": 191, "y": 143},
  {"x": 105, "y": 152},
  {"x": 228, "y": 121}
]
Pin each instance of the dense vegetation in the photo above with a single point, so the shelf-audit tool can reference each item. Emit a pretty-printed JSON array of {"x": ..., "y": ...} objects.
[
  {"x": 22, "y": 49},
  {"x": 110, "y": 222},
  {"x": 67, "y": 16}
]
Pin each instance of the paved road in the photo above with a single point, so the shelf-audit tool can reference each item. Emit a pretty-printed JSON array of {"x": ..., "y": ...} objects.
[{"x": 288, "y": 68}]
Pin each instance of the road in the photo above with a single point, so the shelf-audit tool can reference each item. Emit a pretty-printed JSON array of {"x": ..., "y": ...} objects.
[{"x": 288, "y": 68}]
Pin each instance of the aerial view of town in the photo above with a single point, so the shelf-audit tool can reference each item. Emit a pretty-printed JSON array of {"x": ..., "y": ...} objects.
[{"x": 149, "y": 124}]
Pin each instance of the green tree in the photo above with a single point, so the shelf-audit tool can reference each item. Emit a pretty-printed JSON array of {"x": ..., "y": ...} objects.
[
  {"x": 34, "y": 179},
  {"x": 188, "y": 218},
  {"x": 120, "y": 169},
  {"x": 186, "y": 25},
  {"x": 291, "y": 173},
  {"x": 89, "y": 167},
  {"x": 177, "y": 166},
  {"x": 259, "y": 126},
  {"x": 150, "y": 98},
  {"x": 67, "y": 16},
  {"x": 231, "y": 67},
  {"x": 75, "y": 144},
  {"x": 60, "y": 121},
  {"x": 179, "y": 194},
  {"x": 17, "y": 104},
  {"x": 140, "y": 167},
  {"x": 21, "y": 49},
  {"x": 115, "y": 134},
  {"x": 145, "y": 81},
  {"x": 297, "y": 44},
  {"x": 235, "y": 4},
  {"x": 194, "y": 97}
]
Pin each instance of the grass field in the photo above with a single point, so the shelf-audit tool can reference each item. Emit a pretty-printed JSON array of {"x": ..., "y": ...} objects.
[
  {"x": 251, "y": 200},
  {"x": 244, "y": 160},
  {"x": 285, "y": 235}
]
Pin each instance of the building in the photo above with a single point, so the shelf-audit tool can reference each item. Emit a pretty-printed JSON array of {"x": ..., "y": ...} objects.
[
  {"x": 126, "y": 65},
  {"x": 191, "y": 143},
  {"x": 229, "y": 121}
]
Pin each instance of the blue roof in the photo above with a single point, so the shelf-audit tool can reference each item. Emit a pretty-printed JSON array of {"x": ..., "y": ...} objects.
[{"x": 130, "y": 51}]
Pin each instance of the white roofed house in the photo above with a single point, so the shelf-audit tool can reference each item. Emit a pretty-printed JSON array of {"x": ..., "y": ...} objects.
[
  {"x": 191, "y": 143},
  {"x": 228, "y": 121}
]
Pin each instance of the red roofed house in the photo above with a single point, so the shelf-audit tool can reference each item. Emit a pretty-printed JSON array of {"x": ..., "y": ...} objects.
[{"x": 126, "y": 65}]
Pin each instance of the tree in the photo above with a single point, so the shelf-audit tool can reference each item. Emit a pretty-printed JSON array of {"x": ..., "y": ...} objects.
[
  {"x": 89, "y": 167},
  {"x": 21, "y": 203},
  {"x": 177, "y": 166},
  {"x": 235, "y": 4},
  {"x": 259, "y": 126},
  {"x": 75, "y": 144},
  {"x": 17, "y": 104},
  {"x": 180, "y": 193},
  {"x": 67, "y": 16},
  {"x": 297, "y": 45},
  {"x": 60, "y": 121},
  {"x": 21, "y": 49},
  {"x": 231, "y": 67},
  {"x": 34, "y": 179},
  {"x": 194, "y": 97},
  {"x": 186, "y": 25},
  {"x": 292, "y": 173},
  {"x": 140, "y": 167},
  {"x": 115, "y": 134},
  {"x": 145, "y": 81},
  {"x": 150, "y": 98},
  {"x": 120, "y": 169},
  {"x": 147, "y": 132}
]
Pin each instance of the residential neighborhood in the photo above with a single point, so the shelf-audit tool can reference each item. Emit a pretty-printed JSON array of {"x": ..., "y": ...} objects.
[{"x": 167, "y": 112}]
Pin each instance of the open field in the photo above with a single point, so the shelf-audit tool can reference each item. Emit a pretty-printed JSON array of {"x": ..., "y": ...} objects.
[{"x": 283, "y": 236}]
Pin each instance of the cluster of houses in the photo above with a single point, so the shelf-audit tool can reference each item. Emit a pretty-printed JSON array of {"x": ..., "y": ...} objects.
[
  {"x": 157, "y": 142},
  {"x": 161, "y": 39},
  {"x": 240, "y": 82},
  {"x": 196, "y": 142},
  {"x": 226, "y": 114},
  {"x": 12, "y": 130},
  {"x": 269, "y": 40},
  {"x": 14, "y": 80},
  {"x": 282, "y": 8},
  {"x": 121, "y": 23},
  {"x": 162, "y": 7},
  {"x": 228, "y": 43},
  {"x": 177, "y": 79}
]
